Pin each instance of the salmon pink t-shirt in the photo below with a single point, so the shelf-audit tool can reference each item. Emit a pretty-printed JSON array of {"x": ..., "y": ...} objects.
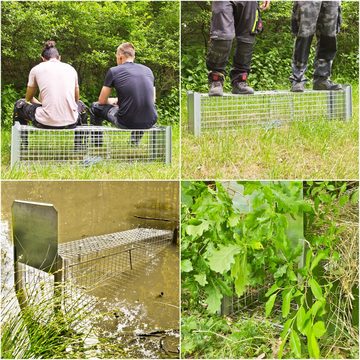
[{"x": 56, "y": 82}]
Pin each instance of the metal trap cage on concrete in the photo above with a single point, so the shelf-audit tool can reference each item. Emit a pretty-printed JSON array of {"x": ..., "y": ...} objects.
[
  {"x": 89, "y": 144},
  {"x": 265, "y": 109},
  {"x": 93, "y": 261}
]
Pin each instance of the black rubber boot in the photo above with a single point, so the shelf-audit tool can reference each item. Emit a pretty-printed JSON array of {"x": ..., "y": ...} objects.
[
  {"x": 325, "y": 84},
  {"x": 298, "y": 86}
]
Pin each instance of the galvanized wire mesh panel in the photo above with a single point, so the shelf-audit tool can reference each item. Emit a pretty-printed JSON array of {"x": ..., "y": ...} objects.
[
  {"x": 90, "y": 144},
  {"x": 91, "y": 261},
  {"x": 265, "y": 108}
]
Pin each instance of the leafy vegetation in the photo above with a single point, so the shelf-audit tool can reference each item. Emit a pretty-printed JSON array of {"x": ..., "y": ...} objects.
[
  {"x": 227, "y": 250},
  {"x": 271, "y": 63},
  {"x": 87, "y": 35}
]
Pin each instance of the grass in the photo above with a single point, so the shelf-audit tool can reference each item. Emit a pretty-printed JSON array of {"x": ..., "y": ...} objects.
[
  {"x": 131, "y": 171},
  {"x": 303, "y": 150}
]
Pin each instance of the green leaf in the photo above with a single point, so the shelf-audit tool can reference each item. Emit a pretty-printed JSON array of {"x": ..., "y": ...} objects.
[
  {"x": 285, "y": 308},
  {"x": 197, "y": 230},
  {"x": 319, "y": 329},
  {"x": 321, "y": 255},
  {"x": 233, "y": 219},
  {"x": 315, "y": 288},
  {"x": 270, "y": 304},
  {"x": 285, "y": 330},
  {"x": 317, "y": 306},
  {"x": 280, "y": 271},
  {"x": 213, "y": 299},
  {"x": 295, "y": 343},
  {"x": 221, "y": 260},
  {"x": 186, "y": 266},
  {"x": 272, "y": 290},
  {"x": 282, "y": 345},
  {"x": 201, "y": 279},
  {"x": 300, "y": 318},
  {"x": 313, "y": 347},
  {"x": 239, "y": 272},
  {"x": 292, "y": 276}
]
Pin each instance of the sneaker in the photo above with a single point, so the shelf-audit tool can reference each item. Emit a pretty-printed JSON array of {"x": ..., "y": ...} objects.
[
  {"x": 216, "y": 81},
  {"x": 240, "y": 86},
  {"x": 325, "y": 84},
  {"x": 297, "y": 86}
]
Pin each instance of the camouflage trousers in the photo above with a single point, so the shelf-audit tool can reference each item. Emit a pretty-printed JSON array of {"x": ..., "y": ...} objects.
[{"x": 309, "y": 18}]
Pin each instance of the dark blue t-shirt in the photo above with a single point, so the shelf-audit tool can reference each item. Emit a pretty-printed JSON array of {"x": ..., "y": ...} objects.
[{"x": 134, "y": 84}]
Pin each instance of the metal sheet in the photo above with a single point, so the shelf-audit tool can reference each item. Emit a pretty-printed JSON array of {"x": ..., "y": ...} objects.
[{"x": 35, "y": 234}]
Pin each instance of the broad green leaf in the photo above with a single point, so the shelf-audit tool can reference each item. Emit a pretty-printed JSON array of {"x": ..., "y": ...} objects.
[
  {"x": 317, "y": 306},
  {"x": 295, "y": 343},
  {"x": 272, "y": 290},
  {"x": 197, "y": 230},
  {"x": 285, "y": 308},
  {"x": 201, "y": 279},
  {"x": 319, "y": 329},
  {"x": 221, "y": 260},
  {"x": 321, "y": 255},
  {"x": 186, "y": 266},
  {"x": 280, "y": 271},
  {"x": 292, "y": 276},
  {"x": 300, "y": 318},
  {"x": 355, "y": 197},
  {"x": 270, "y": 304},
  {"x": 213, "y": 299},
  {"x": 315, "y": 288},
  {"x": 313, "y": 347},
  {"x": 239, "y": 272}
]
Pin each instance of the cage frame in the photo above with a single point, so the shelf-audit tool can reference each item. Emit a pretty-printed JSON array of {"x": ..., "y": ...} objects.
[
  {"x": 194, "y": 105},
  {"x": 89, "y": 130}
]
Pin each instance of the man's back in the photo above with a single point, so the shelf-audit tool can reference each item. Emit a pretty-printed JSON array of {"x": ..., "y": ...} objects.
[
  {"x": 57, "y": 82},
  {"x": 134, "y": 84}
]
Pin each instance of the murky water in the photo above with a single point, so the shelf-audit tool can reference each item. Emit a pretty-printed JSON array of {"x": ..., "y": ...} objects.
[
  {"x": 144, "y": 312},
  {"x": 140, "y": 311}
]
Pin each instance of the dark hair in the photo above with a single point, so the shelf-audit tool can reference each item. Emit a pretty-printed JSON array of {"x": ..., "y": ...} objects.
[{"x": 50, "y": 51}]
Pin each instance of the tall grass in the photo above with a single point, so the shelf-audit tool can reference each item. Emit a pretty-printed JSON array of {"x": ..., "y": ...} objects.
[
  {"x": 41, "y": 329},
  {"x": 319, "y": 149}
]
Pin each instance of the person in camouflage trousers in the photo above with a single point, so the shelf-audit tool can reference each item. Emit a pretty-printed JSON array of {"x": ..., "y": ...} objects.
[
  {"x": 231, "y": 19},
  {"x": 308, "y": 18}
]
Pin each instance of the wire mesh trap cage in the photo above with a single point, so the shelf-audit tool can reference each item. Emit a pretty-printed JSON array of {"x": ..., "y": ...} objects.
[
  {"x": 87, "y": 144},
  {"x": 85, "y": 264},
  {"x": 265, "y": 109},
  {"x": 112, "y": 258}
]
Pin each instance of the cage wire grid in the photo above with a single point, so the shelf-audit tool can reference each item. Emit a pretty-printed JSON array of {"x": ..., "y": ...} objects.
[
  {"x": 30, "y": 144},
  {"x": 105, "y": 261},
  {"x": 114, "y": 258},
  {"x": 265, "y": 108}
]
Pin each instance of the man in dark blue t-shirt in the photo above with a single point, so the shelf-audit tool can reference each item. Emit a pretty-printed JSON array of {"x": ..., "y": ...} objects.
[{"x": 134, "y": 106}]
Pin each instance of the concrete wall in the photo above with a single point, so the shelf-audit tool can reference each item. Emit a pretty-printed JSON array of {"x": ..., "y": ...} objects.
[{"x": 88, "y": 208}]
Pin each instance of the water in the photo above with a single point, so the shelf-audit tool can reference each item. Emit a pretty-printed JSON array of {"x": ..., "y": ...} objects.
[
  {"x": 139, "y": 313},
  {"x": 144, "y": 313}
]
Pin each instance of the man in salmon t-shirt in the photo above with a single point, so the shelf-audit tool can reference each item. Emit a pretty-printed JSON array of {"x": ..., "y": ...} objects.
[{"x": 60, "y": 107}]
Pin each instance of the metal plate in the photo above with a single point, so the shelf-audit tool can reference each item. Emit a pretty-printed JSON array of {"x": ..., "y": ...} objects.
[{"x": 35, "y": 234}]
